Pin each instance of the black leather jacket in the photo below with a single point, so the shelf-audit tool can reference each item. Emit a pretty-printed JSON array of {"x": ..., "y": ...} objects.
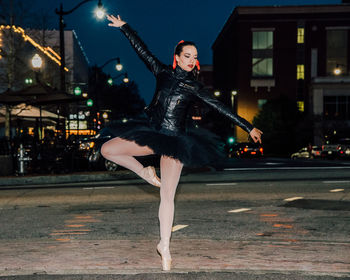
[{"x": 176, "y": 89}]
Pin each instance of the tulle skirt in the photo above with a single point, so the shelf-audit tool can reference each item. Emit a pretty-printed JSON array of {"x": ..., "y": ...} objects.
[{"x": 196, "y": 147}]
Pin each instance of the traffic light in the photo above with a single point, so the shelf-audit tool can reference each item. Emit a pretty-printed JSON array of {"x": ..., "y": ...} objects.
[
  {"x": 77, "y": 91},
  {"x": 110, "y": 81},
  {"x": 89, "y": 103},
  {"x": 231, "y": 140}
]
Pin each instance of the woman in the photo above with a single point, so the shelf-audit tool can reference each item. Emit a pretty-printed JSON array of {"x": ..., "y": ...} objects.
[{"x": 166, "y": 133}]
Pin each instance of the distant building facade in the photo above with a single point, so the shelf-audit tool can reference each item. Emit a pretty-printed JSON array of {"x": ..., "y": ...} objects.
[
  {"x": 18, "y": 46},
  {"x": 300, "y": 52}
]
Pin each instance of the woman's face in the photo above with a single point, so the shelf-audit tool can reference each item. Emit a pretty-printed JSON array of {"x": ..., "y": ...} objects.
[{"x": 187, "y": 58}]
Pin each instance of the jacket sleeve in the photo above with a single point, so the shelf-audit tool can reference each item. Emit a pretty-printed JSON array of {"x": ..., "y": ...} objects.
[
  {"x": 152, "y": 63},
  {"x": 204, "y": 95}
]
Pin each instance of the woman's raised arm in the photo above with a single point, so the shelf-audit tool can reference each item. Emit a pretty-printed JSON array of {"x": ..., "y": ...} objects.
[{"x": 152, "y": 62}]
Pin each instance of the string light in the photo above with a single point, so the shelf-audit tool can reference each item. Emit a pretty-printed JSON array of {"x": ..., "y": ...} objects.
[{"x": 46, "y": 50}]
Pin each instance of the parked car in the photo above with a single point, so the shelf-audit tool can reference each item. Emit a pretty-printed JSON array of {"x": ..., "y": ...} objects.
[
  {"x": 89, "y": 148},
  {"x": 246, "y": 149},
  {"x": 306, "y": 153},
  {"x": 337, "y": 149}
]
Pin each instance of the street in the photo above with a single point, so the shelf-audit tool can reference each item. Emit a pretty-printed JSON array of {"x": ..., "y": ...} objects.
[{"x": 277, "y": 219}]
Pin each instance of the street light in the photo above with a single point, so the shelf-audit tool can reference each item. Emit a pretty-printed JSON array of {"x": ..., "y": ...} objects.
[
  {"x": 217, "y": 93},
  {"x": 338, "y": 70},
  {"x": 125, "y": 79},
  {"x": 118, "y": 66},
  {"x": 233, "y": 94},
  {"x": 37, "y": 62},
  {"x": 62, "y": 25}
]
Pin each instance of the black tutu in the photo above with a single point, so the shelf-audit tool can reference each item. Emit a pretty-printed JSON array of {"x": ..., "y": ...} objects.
[{"x": 197, "y": 147}]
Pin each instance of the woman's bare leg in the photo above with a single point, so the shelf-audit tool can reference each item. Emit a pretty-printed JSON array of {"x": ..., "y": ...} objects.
[
  {"x": 122, "y": 152},
  {"x": 170, "y": 170}
]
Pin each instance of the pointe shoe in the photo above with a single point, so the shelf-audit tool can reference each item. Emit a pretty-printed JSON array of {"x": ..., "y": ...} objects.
[
  {"x": 166, "y": 259},
  {"x": 149, "y": 174}
]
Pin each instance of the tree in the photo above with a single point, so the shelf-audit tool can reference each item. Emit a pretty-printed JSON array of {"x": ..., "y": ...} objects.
[
  {"x": 122, "y": 100},
  {"x": 279, "y": 120}
]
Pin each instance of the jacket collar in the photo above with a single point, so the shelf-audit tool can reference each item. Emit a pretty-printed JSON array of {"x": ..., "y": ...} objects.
[{"x": 182, "y": 74}]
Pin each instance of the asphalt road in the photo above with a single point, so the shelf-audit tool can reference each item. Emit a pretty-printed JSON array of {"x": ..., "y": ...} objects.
[{"x": 264, "y": 220}]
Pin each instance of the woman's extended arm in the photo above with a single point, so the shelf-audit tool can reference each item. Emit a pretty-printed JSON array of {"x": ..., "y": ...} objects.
[
  {"x": 254, "y": 133},
  {"x": 152, "y": 63}
]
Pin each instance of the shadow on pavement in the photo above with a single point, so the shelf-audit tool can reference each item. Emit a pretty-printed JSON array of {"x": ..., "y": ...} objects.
[{"x": 319, "y": 204}]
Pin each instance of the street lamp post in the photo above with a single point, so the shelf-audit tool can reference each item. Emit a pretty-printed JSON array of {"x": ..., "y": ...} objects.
[
  {"x": 233, "y": 95},
  {"x": 62, "y": 25},
  {"x": 125, "y": 79},
  {"x": 118, "y": 66},
  {"x": 37, "y": 62}
]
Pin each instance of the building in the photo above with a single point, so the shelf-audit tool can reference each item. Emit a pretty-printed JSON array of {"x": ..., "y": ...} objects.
[
  {"x": 17, "y": 48},
  {"x": 300, "y": 52},
  {"x": 76, "y": 60}
]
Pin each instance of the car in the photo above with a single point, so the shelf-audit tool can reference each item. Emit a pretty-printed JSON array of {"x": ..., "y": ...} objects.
[
  {"x": 90, "y": 148},
  {"x": 304, "y": 153},
  {"x": 246, "y": 149},
  {"x": 339, "y": 148}
]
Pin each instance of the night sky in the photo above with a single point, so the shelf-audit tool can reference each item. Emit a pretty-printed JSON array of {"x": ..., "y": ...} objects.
[{"x": 160, "y": 23}]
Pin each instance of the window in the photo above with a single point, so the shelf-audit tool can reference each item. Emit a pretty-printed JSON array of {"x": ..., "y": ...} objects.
[
  {"x": 300, "y": 36},
  {"x": 262, "y": 50},
  {"x": 337, "y": 50},
  {"x": 300, "y": 105},
  {"x": 261, "y": 103},
  {"x": 300, "y": 72},
  {"x": 336, "y": 107}
]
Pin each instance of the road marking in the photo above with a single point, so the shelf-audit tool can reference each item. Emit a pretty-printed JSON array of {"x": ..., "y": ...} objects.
[
  {"x": 289, "y": 168},
  {"x": 239, "y": 210},
  {"x": 335, "y": 182},
  {"x": 95, "y": 188},
  {"x": 337, "y": 190},
  {"x": 273, "y": 163},
  {"x": 178, "y": 227},
  {"x": 293, "y": 198},
  {"x": 222, "y": 184}
]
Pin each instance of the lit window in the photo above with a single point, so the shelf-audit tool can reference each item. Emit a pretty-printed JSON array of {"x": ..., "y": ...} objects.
[
  {"x": 337, "y": 51},
  {"x": 261, "y": 103},
  {"x": 262, "y": 60},
  {"x": 300, "y": 72},
  {"x": 300, "y": 105},
  {"x": 300, "y": 36}
]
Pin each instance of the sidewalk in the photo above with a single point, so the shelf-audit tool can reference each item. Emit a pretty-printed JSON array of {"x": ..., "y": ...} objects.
[{"x": 78, "y": 177}]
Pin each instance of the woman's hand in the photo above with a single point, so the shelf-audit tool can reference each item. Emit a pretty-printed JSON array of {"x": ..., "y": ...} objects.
[
  {"x": 115, "y": 21},
  {"x": 255, "y": 134}
]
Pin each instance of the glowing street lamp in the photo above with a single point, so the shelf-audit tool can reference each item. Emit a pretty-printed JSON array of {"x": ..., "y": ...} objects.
[
  {"x": 118, "y": 66},
  {"x": 233, "y": 94},
  {"x": 217, "y": 93},
  {"x": 126, "y": 78},
  {"x": 62, "y": 13},
  {"x": 100, "y": 11},
  {"x": 37, "y": 62},
  {"x": 337, "y": 70}
]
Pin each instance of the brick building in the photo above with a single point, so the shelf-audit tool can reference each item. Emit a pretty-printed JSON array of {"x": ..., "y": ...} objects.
[{"x": 300, "y": 52}]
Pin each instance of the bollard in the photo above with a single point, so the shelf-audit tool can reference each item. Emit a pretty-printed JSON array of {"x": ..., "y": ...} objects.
[{"x": 22, "y": 158}]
